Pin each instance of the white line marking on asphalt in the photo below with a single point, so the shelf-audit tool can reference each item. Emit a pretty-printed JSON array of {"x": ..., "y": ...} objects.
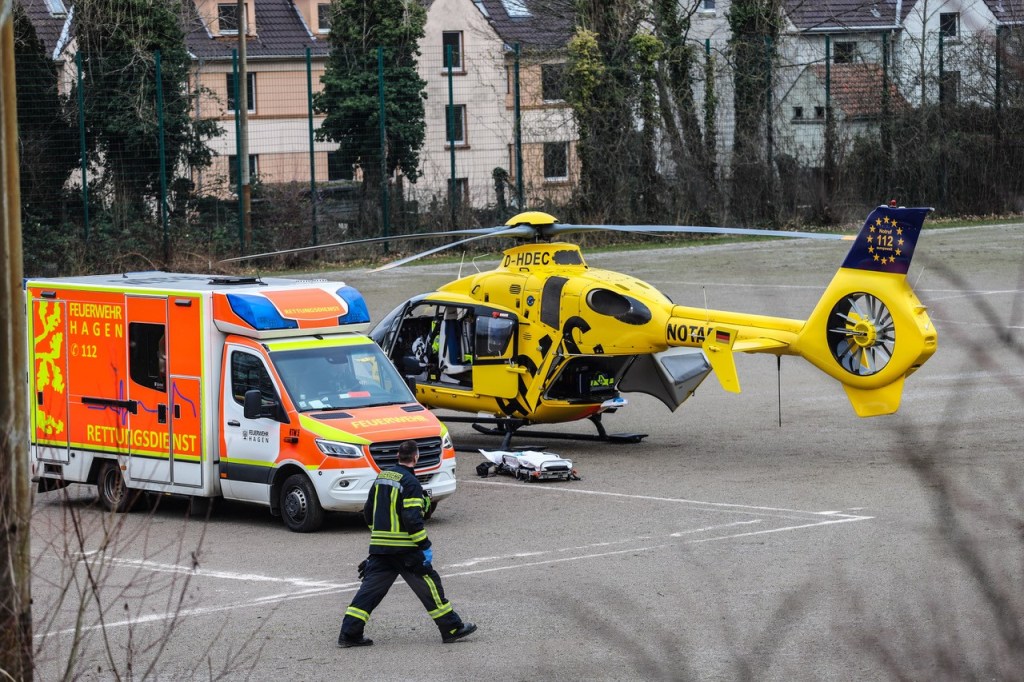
[
  {"x": 479, "y": 560},
  {"x": 699, "y": 504},
  {"x": 326, "y": 589},
  {"x": 779, "y": 530},
  {"x": 681, "y": 533},
  {"x": 157, "y": 567}
]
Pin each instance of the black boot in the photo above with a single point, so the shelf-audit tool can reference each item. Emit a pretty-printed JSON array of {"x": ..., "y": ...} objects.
[
  {"x": 347, "y": 641},
  {"x": 463, "y": 630}
]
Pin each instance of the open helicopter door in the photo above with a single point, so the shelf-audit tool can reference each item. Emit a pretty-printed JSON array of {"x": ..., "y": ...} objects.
[
  {"x": 494, "y": 345},
  {"x": 671, "y": 376}
]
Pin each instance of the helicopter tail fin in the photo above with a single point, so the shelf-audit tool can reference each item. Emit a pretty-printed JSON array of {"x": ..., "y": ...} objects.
[{"x": 869, "y": 330}]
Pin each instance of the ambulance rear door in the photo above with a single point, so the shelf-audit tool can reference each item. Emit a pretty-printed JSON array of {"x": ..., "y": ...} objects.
[{"x": 49, "y": 362}]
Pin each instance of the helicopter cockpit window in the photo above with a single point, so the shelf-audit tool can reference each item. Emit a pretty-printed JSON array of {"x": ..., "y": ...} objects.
[{"x": 493, "y": 335}]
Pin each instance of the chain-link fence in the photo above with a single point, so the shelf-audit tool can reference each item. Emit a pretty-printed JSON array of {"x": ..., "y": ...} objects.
[{"x": 755, "y": 134}]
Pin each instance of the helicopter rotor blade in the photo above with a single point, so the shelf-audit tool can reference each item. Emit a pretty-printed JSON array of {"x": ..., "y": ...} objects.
[
  {"x": 514, "y": 231},
  {"x": 480, "y": 231},
  {"x": 561, "y": 228}
]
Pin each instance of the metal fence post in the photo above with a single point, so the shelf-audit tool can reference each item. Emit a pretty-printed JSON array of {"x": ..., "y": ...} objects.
[
  {"x": 830, "y": 131},
  {"x": 770, "y": 129},
  {"x": 81, "y": 147},
  {"x": 312, "y": 150},
  {"x": 163, "y": 158},
  {"x": 519, "y": 130},
  {"x": 238, "y": 155},
  {"x": 453, "y": 199},
  {"x": 942, "y": 72},
  {"x": 384, "y": 208},
  {"x": 999, "y": 71}
]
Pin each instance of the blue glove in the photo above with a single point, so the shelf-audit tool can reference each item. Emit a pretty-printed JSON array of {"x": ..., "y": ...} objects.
[{"x": 428, "y": 557}]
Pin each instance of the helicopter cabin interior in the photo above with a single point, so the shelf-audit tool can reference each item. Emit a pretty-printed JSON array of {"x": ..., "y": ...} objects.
[
  {"x": 447, "y": 345},
  {"x": 440, "y": 344}
]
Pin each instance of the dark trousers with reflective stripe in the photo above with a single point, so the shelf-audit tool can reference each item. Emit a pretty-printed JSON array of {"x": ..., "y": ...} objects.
[{"x": 381, "y": 572}]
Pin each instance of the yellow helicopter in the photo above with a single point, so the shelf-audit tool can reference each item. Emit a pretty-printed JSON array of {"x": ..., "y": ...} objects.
[{"x": 546, "y": 339}]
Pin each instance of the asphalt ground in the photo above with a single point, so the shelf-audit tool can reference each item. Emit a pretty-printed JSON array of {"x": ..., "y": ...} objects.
[{"x": 724, "y": 546}]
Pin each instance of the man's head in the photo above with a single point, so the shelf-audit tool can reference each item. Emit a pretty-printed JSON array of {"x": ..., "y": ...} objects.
[{"x": 408, "y": 453}]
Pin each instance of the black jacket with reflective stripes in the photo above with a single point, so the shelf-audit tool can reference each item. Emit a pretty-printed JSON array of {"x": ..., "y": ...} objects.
[{"x": 394, "y": 511}]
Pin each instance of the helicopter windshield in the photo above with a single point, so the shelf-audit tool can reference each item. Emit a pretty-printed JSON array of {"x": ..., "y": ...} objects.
[{"x": 340, "y": 377}]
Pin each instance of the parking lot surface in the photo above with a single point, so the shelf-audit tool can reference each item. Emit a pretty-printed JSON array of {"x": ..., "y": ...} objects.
[{"x": 767, "y": 535}]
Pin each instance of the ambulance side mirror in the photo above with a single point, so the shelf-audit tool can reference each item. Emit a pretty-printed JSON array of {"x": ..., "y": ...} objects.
[{"x": 253, "y": 406}]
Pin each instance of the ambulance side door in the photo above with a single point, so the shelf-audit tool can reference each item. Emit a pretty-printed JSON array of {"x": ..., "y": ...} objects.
[
  {"x": 251, "y": 446},
  {"x": 148, "y": 388}
]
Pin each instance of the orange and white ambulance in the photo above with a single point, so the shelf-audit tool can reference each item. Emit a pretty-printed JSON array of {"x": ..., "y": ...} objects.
[{"x": 261, "y": 390}]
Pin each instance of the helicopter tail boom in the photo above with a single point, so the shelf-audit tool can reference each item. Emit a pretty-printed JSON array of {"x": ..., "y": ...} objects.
[{"x": 869, "y": 330}]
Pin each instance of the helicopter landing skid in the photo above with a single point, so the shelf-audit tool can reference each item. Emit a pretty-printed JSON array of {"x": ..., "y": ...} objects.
[{"x": 509, "y": 427}]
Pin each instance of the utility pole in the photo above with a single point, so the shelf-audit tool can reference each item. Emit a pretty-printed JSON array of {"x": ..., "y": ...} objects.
[
  {"x": 15, "y": 493},
  {"x": 244, "y": 187}
]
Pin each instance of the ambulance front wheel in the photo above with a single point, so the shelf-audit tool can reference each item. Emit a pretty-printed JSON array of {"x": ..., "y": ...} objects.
[
  {"x": 300, "y": 507},
  {"x": 114, "y": 494}
]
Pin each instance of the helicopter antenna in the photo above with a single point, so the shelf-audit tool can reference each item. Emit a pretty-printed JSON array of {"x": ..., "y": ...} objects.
[
  {"x": 707, "y": 313},
  {"x": 778, "y": 374},
  {"x": 461, "y": 263}
]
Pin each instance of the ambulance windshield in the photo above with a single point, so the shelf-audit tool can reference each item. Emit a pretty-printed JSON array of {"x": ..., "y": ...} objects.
[{"x": 328, "y": 377}]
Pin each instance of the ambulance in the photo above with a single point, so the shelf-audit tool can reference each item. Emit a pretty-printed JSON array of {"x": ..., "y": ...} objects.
[{"x": 263, "y": 390}]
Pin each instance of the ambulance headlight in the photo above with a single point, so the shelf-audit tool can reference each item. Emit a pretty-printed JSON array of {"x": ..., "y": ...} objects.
[
  {"x": 333, "y": 448},
  {"x": 446, "y": 442}
]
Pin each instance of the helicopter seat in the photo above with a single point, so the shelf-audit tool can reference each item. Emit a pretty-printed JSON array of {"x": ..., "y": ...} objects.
[{"x": 456, "y": 361}]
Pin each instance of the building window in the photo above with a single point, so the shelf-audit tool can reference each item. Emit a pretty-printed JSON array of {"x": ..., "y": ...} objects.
[
  {"x": 552, "y": 82},
  {"x": 227, "y": 18},
  {"x": 451, "y": 44},
  {"x": 254, "y": 168},
  {"x": 556, "y": 161},
  {"x": 819, "y": 112},
  {"x": 461, "y": 190},
  {"x": 56, "y": 8},
  {"x": 949, "y": 25},
  {"x": 843, "y": 53},
  {"x": 949, "y": 87},
  {"x": 455, "y": 124},
  {"x": 250, "y": 92},
  {"x": 798, "y": 113},
  {"x": 337, "y": 169},
  {"x": 323, "y": 17},
  {"x": 707, "y": 5}
]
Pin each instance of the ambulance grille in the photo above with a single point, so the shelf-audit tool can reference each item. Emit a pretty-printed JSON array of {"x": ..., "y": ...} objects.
[{"x": 385, "y": 454}]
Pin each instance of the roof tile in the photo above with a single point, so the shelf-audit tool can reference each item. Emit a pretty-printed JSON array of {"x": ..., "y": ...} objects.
[{"x": 856, "y": 89}]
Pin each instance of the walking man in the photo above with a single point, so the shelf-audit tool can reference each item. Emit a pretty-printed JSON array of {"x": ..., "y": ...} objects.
[{"x": 399, "y": 547}]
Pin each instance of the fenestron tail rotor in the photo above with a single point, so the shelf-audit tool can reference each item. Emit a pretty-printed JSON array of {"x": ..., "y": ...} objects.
[{"x": 861, "y": 334}]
